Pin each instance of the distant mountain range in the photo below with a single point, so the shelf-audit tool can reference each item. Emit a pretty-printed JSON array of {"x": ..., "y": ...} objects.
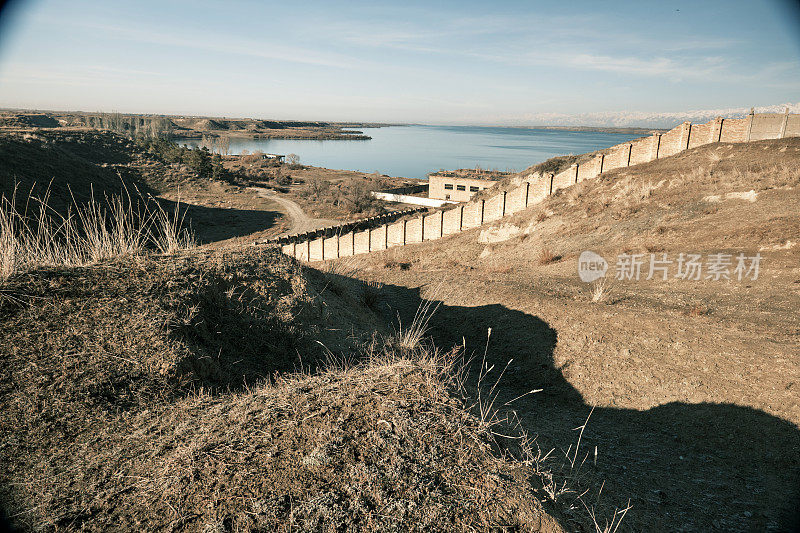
[{"x": 644, "y": 119}]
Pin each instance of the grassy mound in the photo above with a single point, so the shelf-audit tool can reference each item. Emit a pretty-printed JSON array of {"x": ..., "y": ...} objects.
[
  {"x": 67, "y": 164},
  {"x": 148, "y": 395}
]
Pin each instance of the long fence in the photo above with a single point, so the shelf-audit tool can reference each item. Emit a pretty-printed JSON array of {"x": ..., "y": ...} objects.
[{"x": 343, "y": 241}]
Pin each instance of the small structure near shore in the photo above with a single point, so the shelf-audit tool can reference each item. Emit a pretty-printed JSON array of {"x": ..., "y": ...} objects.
[{"x": 462, "y": 184}]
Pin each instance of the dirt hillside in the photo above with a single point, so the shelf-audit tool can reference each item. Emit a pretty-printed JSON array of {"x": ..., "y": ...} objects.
[{"x": 693, "y": 382}]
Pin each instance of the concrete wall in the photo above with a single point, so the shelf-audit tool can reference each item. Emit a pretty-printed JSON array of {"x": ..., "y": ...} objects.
[
  {"x": 536, "y": 187},
  {"x": 413, "y": 200}
]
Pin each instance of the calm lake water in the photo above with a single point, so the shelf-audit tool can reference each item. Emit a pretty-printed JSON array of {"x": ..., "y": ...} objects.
[{"x": 415, "y": 151}]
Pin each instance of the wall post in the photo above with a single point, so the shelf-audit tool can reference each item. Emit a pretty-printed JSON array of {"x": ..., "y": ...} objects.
[
  {"x": 716, "y": 130},
  {"x": 749, "y": 124},
  {"x": 688, "y": 135},
  {"x": 782, "y": 134},
  {"x": 656, "y": 146}
]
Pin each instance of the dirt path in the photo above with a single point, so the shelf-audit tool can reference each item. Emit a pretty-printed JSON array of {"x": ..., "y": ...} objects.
[{"x": 301, "y": 222}]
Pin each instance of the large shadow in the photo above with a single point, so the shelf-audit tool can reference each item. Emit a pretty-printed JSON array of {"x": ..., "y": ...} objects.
[{"x": 684, "y": 467}]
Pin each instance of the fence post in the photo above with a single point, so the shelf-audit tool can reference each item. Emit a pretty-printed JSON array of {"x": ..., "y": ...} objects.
[
  {"x": 422, "y": 228},
  {"x": 782, "y": 134},
  {"x": 602, "y": 160},
  {"x": 688, "y": 136},
  {"x": 503, "y": 212},
  {"x": 386, "y": 236},
  {"x": 308, "y": 249},
  {"x": 749, "y": 124},
  {"x": 551, "y": 184},
  {"x": 404, "y": 231},
  {"x": 630, "y": 150},
  {"x": 322, "y": 252},
  {"x": 441, "y": 224},
  {"x": 353, "y": 237},
  {"x": 338, "y": 238},
  {"x": 657, "y": 145},
  {"x": 294, "y": 249},
  {"x": 716, "y": 130},
  {"x": 483, "y": 207},
  {"x": 369, "y": 239},
  {"x": 577, "y": 166},
  {"x": 528, "y": 190},
  {"x": 461, "y": 219}
]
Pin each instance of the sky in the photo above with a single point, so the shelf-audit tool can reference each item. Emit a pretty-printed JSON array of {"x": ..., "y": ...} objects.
[{"x": 465, "y": 62}]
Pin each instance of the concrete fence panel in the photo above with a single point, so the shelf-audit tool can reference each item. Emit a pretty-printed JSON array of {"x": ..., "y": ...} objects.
[
  {"x": 616, "y": 157},
  {"x": 316, "y": 249},
  {"x": 701, "y": 134},
  {"x": 377, "y": 237},
  {"x": 515, "y": 200},
  {"x": 362, "y": 242},
  {"x": 564, "y": 179},
  {"x": 540, "y": 189},
  {"x": 346, "y": 244},
  {"x": 473, "y": 214},
  {"x": 589, "y": 170},
  {"x": 413, "y": 228},
  {"x": 493, "y": 210},
  {"x": 396, "y": 234},
  {"x": 734, "y": 130},
  {"x": 792, "y": 126},
  {"x": 643, "y": 151},
  {"x": 766, "y": 126},
  {"x": 331, "y": 247},
  {"x": 433, "y": 226},
  {"x": 671, "y": 142},
  {"x": 452, "y": 220}
]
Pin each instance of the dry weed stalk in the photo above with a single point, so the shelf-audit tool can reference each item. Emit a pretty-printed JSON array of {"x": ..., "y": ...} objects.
[{"x": 92, "y": 232}]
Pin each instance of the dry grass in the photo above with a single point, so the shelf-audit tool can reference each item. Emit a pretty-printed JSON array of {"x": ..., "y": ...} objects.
[
  {"x": 546, "y": 256},
  {"x": 601, "y": 289},
  {"x": 90, "y": 233}
]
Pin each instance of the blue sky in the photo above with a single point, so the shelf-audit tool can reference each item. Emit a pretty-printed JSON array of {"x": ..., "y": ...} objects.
[{"x": 445, "y": 63}]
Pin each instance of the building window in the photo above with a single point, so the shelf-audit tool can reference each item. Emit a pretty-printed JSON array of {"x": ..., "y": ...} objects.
[
  {"x": 472, "y": 188},
  {"x": 460, "y": 188},
  {"x": 448, "y": 186}
]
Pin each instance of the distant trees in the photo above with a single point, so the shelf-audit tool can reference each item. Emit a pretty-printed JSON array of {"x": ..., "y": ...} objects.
[{"x": 130, "y": 125}]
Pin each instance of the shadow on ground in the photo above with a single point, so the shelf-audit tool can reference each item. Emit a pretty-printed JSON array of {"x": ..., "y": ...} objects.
[{"x": 684, "y": 467}]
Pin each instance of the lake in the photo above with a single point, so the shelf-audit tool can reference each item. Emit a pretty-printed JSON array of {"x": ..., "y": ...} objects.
[{"x": 415, "y": 151}]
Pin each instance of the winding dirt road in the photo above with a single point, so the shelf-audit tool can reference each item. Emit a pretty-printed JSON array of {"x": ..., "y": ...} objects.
[{"x": 301, "y": 222}]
